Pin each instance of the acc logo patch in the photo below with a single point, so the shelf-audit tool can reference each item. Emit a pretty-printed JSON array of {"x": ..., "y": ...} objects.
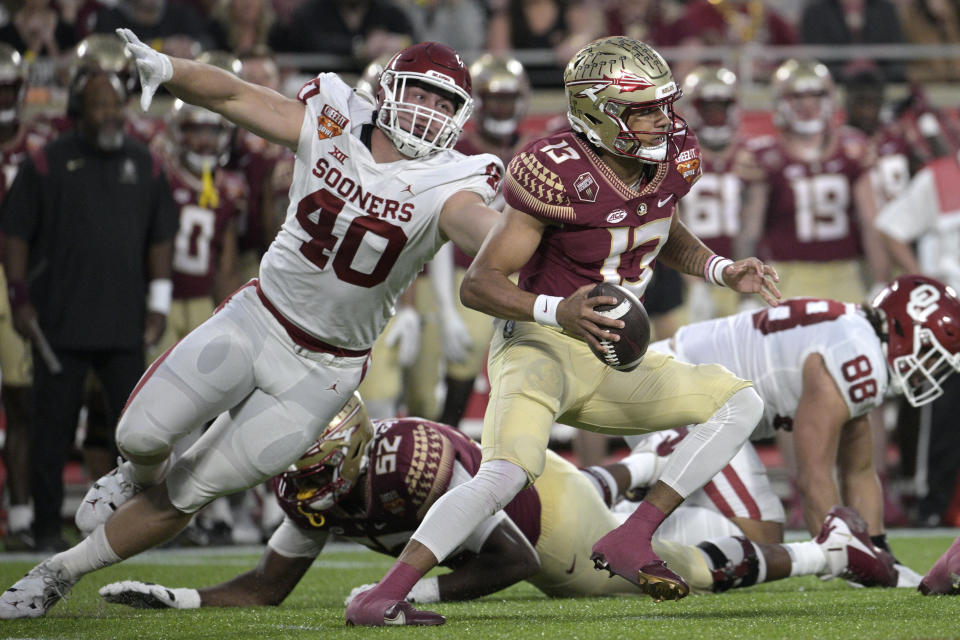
[
  {"x": 586, "y": 187},
  {"x": 330, "y": 123},
  {"x": 615, "y": 216},
  {"x": 688, "y": 164}
]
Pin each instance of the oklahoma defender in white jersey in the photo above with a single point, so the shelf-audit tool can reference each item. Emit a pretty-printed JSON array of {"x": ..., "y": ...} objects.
[
  {"x": 375, "y": 193},
  {"x": 821, "y": 366}
]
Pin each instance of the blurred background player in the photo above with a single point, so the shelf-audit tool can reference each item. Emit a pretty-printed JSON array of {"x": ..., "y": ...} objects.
[
  {"x": 712, "y": 208},
  {"x": 18, "y": 137},
  {"x": 809, "y": 203}
]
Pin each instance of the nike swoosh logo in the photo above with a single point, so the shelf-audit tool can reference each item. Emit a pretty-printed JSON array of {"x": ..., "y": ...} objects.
[
  {"x": 660, "y": 203},
  {"x": 570, "y": 570}
]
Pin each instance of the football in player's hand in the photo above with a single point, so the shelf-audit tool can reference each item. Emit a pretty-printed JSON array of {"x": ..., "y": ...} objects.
[{"x": 626, "y": 353}]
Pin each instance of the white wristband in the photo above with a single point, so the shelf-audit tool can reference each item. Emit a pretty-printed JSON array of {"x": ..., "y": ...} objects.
[
  {"x": 425, "y": 591},
  {"x": 713, "y": 271},
  {"x": 545, "y": 310},
  {"x": 160, "y": 296}
]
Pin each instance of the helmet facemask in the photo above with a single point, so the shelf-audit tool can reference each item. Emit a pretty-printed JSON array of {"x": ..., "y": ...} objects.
[
  {"x": 418, "y": 130},
  {"x": 712, "y": 96},
  {"x": 920, "y": 374},
  {"x": 796, "y": 81},
  {"x": 187, "y": 122}
]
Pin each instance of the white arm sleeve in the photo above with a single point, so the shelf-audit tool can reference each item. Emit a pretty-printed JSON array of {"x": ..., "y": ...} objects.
[
  {"x": 478, "y": 536},
  {"x": 290, "y": 541}
]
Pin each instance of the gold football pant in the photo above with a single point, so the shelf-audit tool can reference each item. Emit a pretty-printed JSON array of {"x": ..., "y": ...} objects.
[{"x": 539, "y": 375}]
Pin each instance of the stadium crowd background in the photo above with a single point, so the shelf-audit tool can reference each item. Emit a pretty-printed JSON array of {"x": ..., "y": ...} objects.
[{"x": 907, "y": 51}]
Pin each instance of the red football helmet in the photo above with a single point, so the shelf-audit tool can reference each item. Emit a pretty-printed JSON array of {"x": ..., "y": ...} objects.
[
  {"x": 415, "y": 129},
  {"x": 923, "y": 335},
  {"x": 330, "y": 468}
]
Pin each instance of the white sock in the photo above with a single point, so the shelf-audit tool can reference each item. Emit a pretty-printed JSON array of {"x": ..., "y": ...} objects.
[
  {"x": 455, "y": 515},
  {"x": 93, "y": 553},
  {"x": 806, "y": 558},
  {"x": 19, "y": 517},
  {"x": 603, "y": 482},
  {"x": 642, "y": 467},
  {"x": 711, "y": 445}
]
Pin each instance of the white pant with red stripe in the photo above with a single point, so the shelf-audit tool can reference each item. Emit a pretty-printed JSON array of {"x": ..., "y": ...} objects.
[
  {"x": 741, "y": 490},
  {"x": 269, "y": 398}
]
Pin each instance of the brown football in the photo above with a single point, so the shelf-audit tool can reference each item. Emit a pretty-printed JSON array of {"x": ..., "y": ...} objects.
[{"x": 626, "y": 353}]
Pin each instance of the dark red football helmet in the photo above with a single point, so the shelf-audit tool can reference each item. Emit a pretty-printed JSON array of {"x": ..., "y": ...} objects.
[
  {"x": 923, "y": 335},
  {"x": 415, "y": 129}
]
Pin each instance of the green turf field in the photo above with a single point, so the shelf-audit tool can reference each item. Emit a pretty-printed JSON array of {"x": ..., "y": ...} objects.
[{"x": 796, "y": 608}]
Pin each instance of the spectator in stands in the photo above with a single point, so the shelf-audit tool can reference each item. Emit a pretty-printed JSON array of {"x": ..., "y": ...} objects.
[
  {"x": 733, "y": 23},
  {"x": 652, "y": 21},
  {"x": 460, "y": 24},
  {"x": 360, "y": 29},
  {"x": 36, "y": 30},
  {"x": 839, "y": 22},
  {"x": 241, "y": 25},
  {"x": 931, "y": 22},
  {"x": 154, "y": 20},
  {"x": 561, "y": 26},
  {"x": 90, "y": 219}
]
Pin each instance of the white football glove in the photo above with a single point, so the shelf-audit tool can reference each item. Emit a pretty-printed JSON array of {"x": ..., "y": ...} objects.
[
  {"x": 155, "y": 68},
  {"x": 147, "y": 595},
  {"x": 404, "y": 334},
  {"x": 357, "y": 591},
  {"x": 455, "y": 336}
]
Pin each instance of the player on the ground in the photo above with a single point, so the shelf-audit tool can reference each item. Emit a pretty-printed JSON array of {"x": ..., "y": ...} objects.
[
  {"x": 376, "y": 191},
  {"x": 809, "y": 204},
  {"x": 372, "y": 483},
  {"x": 588, "y": 205}
]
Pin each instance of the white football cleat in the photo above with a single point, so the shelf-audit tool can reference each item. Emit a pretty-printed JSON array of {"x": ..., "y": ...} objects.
[
  {"x": 105, "y": 496},
  {"x": 35, "y": 593},
  {"x": 851, "y": 554}
]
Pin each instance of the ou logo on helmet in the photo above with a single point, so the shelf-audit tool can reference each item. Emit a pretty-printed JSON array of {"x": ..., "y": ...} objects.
[{"x": 923, "y": 302}]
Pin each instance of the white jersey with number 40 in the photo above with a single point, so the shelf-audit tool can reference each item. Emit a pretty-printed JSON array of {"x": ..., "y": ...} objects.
[
  {"x": 357, "y": 232},
  {"x": 770, "y": 346}
]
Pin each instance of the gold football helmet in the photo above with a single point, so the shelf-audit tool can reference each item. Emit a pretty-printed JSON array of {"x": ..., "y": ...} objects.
[
  {"x": 13, "y": 84},
  {"x": 201, "y": 137},
  {"x": 368, "y": 84},
  {"x": 794, "y": 84},
  {"x": 330, "y": 469},
  {"x": 711, "y": 93},
  {"x": 607, "y": 79},
  {"x": 502, "y": 90},
  {"x": 100, "y": 53}
]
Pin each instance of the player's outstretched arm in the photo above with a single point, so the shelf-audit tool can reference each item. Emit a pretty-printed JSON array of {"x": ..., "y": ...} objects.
[
  {"x": 685, "y": 252},
  {"x": 263, "y": 111},
  {"x": 269, "y": 584}
]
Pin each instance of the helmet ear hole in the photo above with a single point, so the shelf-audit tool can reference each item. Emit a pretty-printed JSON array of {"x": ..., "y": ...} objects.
[{"x": 594, "y": 121}]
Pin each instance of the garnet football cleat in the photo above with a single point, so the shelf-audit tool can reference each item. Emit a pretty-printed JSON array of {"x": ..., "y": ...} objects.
[
  {"x": 104, "y": 497},
  {"x": 850, "y": 554},
  {"x": 35, "y": 593},
  {"x": 944, "y": 575},
  {"x": 371, "y": 612},
  {"x": 620, "y": 554}
]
